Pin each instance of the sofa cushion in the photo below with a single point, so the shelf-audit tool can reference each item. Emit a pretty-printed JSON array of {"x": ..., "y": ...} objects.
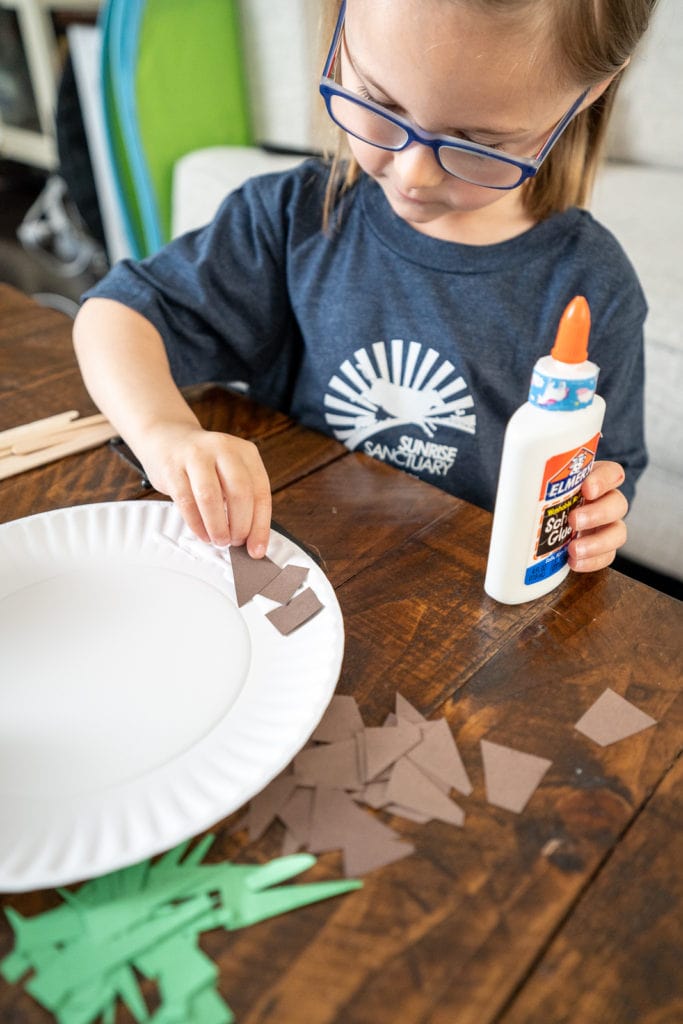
[
  {"x": 647, "y": 125},
  {"x": 655, "y": 537},
  {"x": 643, "y": 208},
  {"x": 201, "y": 180},
  {"x": 282, "y": 65}
]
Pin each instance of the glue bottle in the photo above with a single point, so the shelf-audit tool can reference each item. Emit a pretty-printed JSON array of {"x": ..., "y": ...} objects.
[{"x": 549, "y": 450}]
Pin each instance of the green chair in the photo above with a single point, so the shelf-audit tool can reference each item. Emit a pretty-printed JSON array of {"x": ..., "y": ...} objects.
[{"x": 173, "y": 82}]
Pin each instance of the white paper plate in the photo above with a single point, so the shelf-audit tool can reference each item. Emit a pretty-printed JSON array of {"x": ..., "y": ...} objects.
[{"x": 138, "y": 704}]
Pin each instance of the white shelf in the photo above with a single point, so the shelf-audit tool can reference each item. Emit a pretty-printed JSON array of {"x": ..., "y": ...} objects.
[{"x": 40, "y": 47}]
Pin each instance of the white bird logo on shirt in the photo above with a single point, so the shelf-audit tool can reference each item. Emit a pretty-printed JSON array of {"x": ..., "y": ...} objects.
[{"x": 396, "y": 385}]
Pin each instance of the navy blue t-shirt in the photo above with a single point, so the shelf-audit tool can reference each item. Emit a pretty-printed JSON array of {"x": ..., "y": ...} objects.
[{"x": 411, "y": 349}]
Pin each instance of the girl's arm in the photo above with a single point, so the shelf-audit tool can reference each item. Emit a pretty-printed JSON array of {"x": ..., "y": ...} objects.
[
  {"x": 218, "y": 481},
  {"x": 599, "y": 522}
]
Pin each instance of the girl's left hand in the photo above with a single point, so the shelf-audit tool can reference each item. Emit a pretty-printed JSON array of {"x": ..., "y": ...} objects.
[{"x": 599, "y": 522}]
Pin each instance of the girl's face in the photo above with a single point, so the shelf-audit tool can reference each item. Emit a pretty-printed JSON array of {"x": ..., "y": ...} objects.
[{"x": 456, "y": 71}]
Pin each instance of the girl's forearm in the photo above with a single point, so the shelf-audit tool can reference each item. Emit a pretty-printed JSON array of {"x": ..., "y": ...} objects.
[{"x": 125, "y": 368}]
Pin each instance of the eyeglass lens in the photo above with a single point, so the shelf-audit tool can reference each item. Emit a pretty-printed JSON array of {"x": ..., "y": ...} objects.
[{"x": 378, "y": 130}]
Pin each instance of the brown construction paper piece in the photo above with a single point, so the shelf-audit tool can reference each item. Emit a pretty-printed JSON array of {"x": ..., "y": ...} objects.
[
  {"x": 359, "y": 740},
  {"x": 334, "y": 764},
  {"x": 511, "y": 776},
  {"x": 445, "y": 787},
  {"x": 296, "y": 813},
  {"x": 408, "y": 813},
  {"x": 249, "y": 574},
  {"x": 374, "y": 795},
  {"x": 337, "y": 822},
  {"x": 362, "y": 857},
  {"x": 406, "y": 711},
  {"x": 300, "y": 609},
  {"x": 264, "y": 807},
  {"x": 439, "y": 758},
  {"x": 384, "y": 746},
  {"x": 290, "y": 844},
  {"x": 283, "y": 586},
  {"x": 340, "y": 722},
  {"x": 407, "y": 767},
  {"x": 410, "y": 788},
  {"x": 612, "y": 718}
]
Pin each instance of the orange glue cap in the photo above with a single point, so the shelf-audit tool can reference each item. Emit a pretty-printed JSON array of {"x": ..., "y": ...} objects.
[{"x": 571, "y": 343}]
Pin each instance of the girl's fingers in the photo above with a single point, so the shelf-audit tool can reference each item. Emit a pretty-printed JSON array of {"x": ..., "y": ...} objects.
[
  {"x": 606, "y": 476},
  {"x": 597, "y": 548},
  {"x": 594, "y": 563},
  {"x": 181, "y": 494},
  {"x": 257, "y": 541},
  {"x": 608, "y": 509},
  {"x": 258, "y": 531},
  {"x": 247, "y": 491},
  {"x": 599, "y": 521},
  {"x": 207, "y": 497},
  {"x": 220, "y": 486}
]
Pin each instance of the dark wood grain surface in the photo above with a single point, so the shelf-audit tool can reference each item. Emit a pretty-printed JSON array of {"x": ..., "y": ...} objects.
[{"x": 569, "y": 912}]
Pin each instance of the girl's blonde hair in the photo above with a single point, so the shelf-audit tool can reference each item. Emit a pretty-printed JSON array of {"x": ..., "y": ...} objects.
[{"x": 594, "y": 40}]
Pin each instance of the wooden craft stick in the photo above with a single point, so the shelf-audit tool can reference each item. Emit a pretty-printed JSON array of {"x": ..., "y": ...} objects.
[
  {"x": 85, "y": 421},
  {"x": 36, "y": 442},
  {"x": 82, "y": 440},
  {"x": 44, "y": 426}
]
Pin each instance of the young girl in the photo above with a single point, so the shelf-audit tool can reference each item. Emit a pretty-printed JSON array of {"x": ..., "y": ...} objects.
[{"x": 408, "y": 323}]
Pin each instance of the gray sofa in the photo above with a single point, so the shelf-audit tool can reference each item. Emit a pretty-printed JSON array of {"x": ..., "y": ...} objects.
[{"x": 639, "y": 197}]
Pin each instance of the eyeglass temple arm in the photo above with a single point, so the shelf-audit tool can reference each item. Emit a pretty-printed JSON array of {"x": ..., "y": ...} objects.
[
  {"x": 560, "y": 127},
  {"x": 334, "y": 45}
]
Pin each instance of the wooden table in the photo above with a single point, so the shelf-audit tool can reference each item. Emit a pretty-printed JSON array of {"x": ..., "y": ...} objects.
[{"x": 570, "y": 911}]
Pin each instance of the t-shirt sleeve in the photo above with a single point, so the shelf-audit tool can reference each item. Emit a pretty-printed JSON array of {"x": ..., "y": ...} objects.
[
  {"x": 619, "y": 351},
  {"x": 217, "y": 296}
]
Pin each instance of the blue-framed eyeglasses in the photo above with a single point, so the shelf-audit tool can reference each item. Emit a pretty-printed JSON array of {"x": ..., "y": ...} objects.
[{"x": 470, "y": 161}]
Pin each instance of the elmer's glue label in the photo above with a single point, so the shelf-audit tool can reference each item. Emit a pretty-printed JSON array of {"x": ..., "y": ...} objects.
[{"x": 549, "y": 450}]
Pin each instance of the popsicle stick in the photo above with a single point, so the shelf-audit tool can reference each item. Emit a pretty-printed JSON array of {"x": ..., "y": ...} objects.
[
  {"x": 44, "y": 426},
  {"x": 84, "y": 421},
  {"x": 82, "y": 440},
  {"x": 36, "y": 442}
]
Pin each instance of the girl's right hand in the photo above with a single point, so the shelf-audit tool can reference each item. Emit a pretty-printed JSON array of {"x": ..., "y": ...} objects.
[{"x": 218, "y": 482}]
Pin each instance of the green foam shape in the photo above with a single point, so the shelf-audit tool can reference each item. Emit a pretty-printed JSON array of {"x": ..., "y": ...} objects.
[
  {"x": 207, "y": 1007},
  {"x": 31, "y": 934},
  {"x": 14, "y": 966},
  {"x": 149, "y": 916},
  {"x": 179, "y": 967},
  {"x": 87, "y": 1003},
  {"x": 85, "y": 960},
  {"x": 130, "y": 994}
]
